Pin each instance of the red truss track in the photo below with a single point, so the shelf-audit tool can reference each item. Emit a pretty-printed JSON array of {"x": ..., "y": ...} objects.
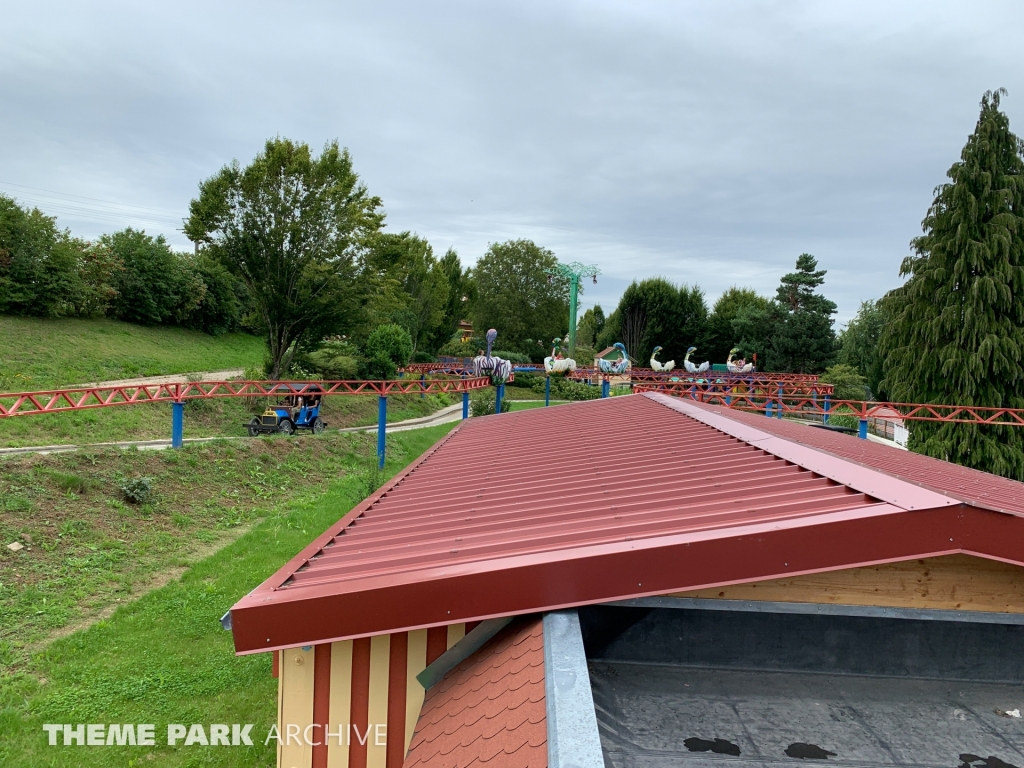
[
  {"x": 53, "y": 401},
  {"x": 815, "y": 408}
]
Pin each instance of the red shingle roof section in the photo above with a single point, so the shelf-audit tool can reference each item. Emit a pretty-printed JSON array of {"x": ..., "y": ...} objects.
[
  {"x": 978, "y": 488},
  {"x": 604, "y": 500},
  {"x": 490, "y": 710}
]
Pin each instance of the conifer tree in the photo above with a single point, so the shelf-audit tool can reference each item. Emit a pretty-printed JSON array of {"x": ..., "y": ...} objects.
[{"x": 956, "y": 330}]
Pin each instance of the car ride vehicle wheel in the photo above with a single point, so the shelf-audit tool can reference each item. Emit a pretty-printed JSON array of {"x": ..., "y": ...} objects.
[
  {"x": 254, "y": 426},
  {"x": 318, "y": 426},
  {"x": 286, "y": 426}
]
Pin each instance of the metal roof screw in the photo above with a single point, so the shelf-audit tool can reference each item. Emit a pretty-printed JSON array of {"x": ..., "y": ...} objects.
[{"x": 786, "y": 564}]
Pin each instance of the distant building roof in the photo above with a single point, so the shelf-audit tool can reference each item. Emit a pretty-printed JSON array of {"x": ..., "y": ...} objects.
[{"x": 518, "y": 513}]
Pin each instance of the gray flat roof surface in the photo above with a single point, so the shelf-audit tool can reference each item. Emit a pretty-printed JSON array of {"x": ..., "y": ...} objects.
[{"x": 662, "y": 715}]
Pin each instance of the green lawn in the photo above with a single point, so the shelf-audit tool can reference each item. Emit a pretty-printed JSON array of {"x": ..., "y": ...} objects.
[
  {"x": 38, "y": 354},
  {"x": 164, "y": 658}
]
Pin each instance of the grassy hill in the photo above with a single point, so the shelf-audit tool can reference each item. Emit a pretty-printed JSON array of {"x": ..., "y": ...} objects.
[{"x": 40, "y": 354}]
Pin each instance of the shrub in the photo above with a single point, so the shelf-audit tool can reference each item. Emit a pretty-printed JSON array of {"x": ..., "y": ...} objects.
[
  {"x": 423, "y": 357},
  {"x": 219, "y": 308},
  {"x": 564, "y": 389},
  {"x": 156, "y": 284},
  {"x": 528, "y": 381},
  {"x": 482, "y": 404},
  {"x": 380, "y": 366},
  {"x": 388, "y": 341},
  {"x": 847, "y": 382},
  {"x": 335, "y": 359},
  {"x": 458, "y": 348},
  {"x": 137, "y": 490}
]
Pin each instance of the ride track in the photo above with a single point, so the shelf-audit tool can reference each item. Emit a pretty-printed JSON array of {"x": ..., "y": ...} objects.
[
  {"x": 58, "y": 400},
  {"x": 803, "y": 406}
]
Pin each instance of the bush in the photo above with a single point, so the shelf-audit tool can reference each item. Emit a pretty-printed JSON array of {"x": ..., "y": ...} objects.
[
  {"x": 156, "y": 284},
  {"x": 335, "y": 359},
  {"x": 38, "y": 263},
  {"x": 380, "y": 366},
  {"x": 137, "y": 490},
  {"x": 388, "y": 341},
  {"x": 564, "y": 389},
  {"x": 423, "y": 357},
  {"x": 528, "y": 381},
  {"x": 219, "y": 309},
  {"x": 847, "y": 382},
  {"x": 482, "y": 404},
  {"x": 458, "y": 348}
]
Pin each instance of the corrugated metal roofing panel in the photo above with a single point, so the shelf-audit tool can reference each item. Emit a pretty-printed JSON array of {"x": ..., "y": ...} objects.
[
  {"x": 536, "y": 482},
  {"x": 977, "y": 488}
]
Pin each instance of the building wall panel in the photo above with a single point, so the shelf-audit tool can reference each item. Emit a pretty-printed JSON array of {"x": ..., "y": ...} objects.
[{"x": 953, "y": 582}]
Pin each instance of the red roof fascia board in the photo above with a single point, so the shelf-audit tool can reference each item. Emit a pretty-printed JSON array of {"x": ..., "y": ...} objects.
[
  {"x": 527, "y": 584},
  {"x": 464, "y": 534},
  {"x": 490, "y": 709}
]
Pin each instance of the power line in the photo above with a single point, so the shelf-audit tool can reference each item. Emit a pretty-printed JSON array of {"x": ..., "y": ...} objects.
[{"x": 92, "y": 199}]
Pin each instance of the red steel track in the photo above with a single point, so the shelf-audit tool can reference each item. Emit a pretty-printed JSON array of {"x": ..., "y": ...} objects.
[
  {"x": 858, "y": 409},
  {"x": 57, "y": 400}
]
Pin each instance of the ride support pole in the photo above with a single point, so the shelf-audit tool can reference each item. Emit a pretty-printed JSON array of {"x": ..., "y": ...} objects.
[
  {"x": 779, "y": 414},
  {"x": 499, "y": 394},
  {"x": 465, "y": 404},
  {"x": 768, "y": 408},
  {"x": 828, "y": 407},
  {"x": 862, "y": 429},
  {"x": 605, "y": 387},
  {"x": 177, "y": 423},
  {"x": 547, "y": 391},
  {"x": 382, "y": 425},
  {"x": 423, "y": 386}
]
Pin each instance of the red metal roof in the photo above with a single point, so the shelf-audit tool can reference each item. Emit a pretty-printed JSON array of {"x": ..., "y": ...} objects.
[
  {"x": 589, "y": 502},
  {"x": 980, "y": 489},
  {"x": 488, "y": 710}
]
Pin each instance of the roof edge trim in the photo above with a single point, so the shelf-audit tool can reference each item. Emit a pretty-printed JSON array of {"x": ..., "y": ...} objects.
[{"x": 874, "y": 482}]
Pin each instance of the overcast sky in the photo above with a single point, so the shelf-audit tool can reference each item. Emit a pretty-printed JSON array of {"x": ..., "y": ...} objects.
[{"x": 710, "y": 143}]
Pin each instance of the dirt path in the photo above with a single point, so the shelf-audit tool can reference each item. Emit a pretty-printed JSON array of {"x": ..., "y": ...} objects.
[{"x": 173, "y": 378}]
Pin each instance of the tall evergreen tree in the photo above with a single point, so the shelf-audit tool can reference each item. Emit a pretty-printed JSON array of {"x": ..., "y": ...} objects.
[
  {"x": 804, "y": 341},
  {"x": 956, "y": 333}
]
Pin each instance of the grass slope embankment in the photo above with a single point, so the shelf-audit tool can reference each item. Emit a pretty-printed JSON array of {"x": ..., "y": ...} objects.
[
  {"x": 38, "y": 354},
  {"x": 163, "y": 658}
]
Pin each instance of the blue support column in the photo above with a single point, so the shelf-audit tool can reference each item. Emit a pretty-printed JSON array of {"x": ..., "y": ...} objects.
[
  {"x": 605, "y": 388},
  {"x": 547, "y": 391},
  {"x": 779, "y": 414},
  {"x": 465, "y": 404},
  {"x": 423, "y": 387},
  {"x": 177, "y": 424},
  {"x": 382, "y": 426},
  {"x": 499, "y": 394},
  {"x": 768, "y": 408},
  {"x": 862, "y": 429},
  {"x": 828, "y": 407}
]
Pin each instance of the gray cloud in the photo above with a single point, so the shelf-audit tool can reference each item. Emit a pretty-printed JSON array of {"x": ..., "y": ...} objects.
[{"x": 707, "y": 142}]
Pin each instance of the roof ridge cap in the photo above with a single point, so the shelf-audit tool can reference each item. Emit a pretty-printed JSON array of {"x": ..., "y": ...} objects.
[{"x": 874, "y": 482}]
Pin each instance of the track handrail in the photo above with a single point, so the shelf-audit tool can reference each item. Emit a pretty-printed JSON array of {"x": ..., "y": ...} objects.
[{"x": 82, "y": 398}]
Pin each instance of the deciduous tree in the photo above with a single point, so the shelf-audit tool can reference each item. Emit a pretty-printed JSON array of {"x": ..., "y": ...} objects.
[
  {"x": 516, "y": 296},
  {"x": 291, "y": 225}
]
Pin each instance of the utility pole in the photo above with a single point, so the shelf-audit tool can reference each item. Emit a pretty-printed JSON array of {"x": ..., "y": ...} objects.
[{"x": 573, "y": 272}]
